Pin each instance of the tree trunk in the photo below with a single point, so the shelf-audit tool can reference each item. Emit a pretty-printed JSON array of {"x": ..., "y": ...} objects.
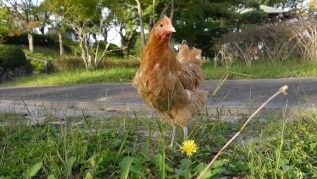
[
  {"x": 126, "y": 52},
  {"x": 125, "y": 49},
  {"x": 30, "y": 39},
  {"x": 141, "y": 22},
  {"x": 42, "y": 28},
  {"x": 172, "y": 10},
  {"x": 153, "y": 14},
  {"x": 86, "y": 56},
  {"x": 127, "y": 43},
  {"x": 60, "y": 39}
]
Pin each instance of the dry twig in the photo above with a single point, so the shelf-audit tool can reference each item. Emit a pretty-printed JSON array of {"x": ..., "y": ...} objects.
[{"x": 282, "y": 90}]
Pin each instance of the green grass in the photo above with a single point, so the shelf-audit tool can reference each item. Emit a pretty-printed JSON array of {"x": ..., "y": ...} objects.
[
  {"x": 262, "y": 69},
  {"x": 274, "y": 146},
  {"x": 115, "y": 74},
  {"x": 124, "y": 71}
]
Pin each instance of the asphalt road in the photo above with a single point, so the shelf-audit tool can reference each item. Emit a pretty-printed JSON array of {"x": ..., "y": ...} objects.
[{"x": 302, "y": 92}]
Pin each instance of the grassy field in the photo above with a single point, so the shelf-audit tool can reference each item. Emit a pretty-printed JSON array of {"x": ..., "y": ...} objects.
[{"x": 271, "y": 146}]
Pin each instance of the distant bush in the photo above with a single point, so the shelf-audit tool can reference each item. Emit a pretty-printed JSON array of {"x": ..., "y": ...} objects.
[
  {"x": 11, "y": 56},
  {"x": 65, "y": 63},
  {"x": 120, "y": 63},
  {"x": 71, "y": 63},
  {"x": 38, "y": 65},
  {"x": 42, "y": 40},
  {"x": 52, "y": 41},
  {"x": 268, "y": 42}
]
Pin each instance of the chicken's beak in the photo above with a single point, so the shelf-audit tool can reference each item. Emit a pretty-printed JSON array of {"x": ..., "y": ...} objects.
[{"x": 171, "y": 29}]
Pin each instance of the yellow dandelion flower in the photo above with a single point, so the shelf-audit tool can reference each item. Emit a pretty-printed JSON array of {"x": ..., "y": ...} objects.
[
  {"x": 189, "y": 147},
  {"x": 88, "y": 176},
  {"x": 93, "y": 163}
]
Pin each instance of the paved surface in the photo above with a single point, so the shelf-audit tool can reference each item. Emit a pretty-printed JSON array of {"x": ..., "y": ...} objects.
[{"x": 233, "y": 95}]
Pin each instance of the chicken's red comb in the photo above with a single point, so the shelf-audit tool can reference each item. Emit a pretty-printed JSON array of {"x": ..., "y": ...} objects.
[{"x": 168, "y": 20}]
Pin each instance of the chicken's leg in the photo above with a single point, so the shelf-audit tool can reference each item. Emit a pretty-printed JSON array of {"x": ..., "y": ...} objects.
[
  {"x": 185, "y": 129},
  {"x": 173, "y": 137}
]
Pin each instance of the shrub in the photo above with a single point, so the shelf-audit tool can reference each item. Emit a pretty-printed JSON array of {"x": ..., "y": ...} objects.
[
  {"x": 69, "y": 63},
  {"x": 269, "y": 42},
  {"x": 11, "y": 56},
  {"x": 120, "y": 63},
  {"x": 39, "y": 65},
  {"x": 50, "y": 41}
]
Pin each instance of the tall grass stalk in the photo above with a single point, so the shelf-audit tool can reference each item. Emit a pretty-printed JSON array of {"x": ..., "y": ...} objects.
[
  {"x": 162, "y": 162},
  {"x": 278, "y": 151},
  {"x": 281, "y": 143},
  {"x": 219, "y": 85}
]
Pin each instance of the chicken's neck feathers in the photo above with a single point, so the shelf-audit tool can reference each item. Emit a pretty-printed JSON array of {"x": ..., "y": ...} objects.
[{"x": 158, "y": 52}]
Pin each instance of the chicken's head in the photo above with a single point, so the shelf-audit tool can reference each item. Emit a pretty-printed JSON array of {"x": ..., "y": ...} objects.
[{"x": 163, "y": 28}]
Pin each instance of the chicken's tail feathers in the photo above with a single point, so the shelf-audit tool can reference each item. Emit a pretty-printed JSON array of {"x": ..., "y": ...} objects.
[
  {"x": 184, "y": 42},
  {"x": 200, "y": 99},
  {"x": 189, "y": 56},
  {"x": 190, "y": 60}
]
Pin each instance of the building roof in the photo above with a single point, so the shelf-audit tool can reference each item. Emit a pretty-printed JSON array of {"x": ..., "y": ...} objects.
[{"x": 266, "y": 9}]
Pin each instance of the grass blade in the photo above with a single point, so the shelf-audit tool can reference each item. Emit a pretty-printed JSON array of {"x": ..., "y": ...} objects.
[
  {"x": 34, "y": 169},
  {"x": 125, "y": 167}
]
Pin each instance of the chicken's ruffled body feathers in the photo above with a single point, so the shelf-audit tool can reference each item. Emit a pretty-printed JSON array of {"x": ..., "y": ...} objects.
[{"x": 167, "y": 82}]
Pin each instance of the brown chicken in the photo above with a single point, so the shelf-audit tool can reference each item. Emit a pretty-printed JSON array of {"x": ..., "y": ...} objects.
[{"x": 169, "y": 83}]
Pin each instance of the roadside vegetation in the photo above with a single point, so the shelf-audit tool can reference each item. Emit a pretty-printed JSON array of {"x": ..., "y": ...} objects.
[
  {"x": 114, "y": 69},
  {"x": 278, "y": 145},
  {"x": 119, "y": 73}
]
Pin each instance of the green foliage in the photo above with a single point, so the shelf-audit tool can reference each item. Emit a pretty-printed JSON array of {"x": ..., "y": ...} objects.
[
  {"x": 33, "y": 170},
  {"x": 11, "y": 56},
  {"x": 38, "y": 63},
  {"x": 253, "y": 17},
  {"x": 201, "y": 23},
  {"x": 4, "y": 21}
]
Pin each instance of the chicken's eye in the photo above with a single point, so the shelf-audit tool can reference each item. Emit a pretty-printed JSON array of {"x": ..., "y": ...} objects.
[{"x": 161, "y": 25}]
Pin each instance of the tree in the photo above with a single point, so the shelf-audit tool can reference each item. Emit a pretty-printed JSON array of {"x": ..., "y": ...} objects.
[
  {"x": 43, "y": 15},
  {"x": 24, "y": 15},
  {"x": 128, "y": 25},
  {"x": 85, "y": 18},
  {"x": 54, "y": 8},
  {"x": 202, "y": 23},
  {"x": 127, "y": 22},
  {"x": 4, "y": 22},
  {"x": 141, "y": 22},
  {"x": 286, "y": 4}
]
